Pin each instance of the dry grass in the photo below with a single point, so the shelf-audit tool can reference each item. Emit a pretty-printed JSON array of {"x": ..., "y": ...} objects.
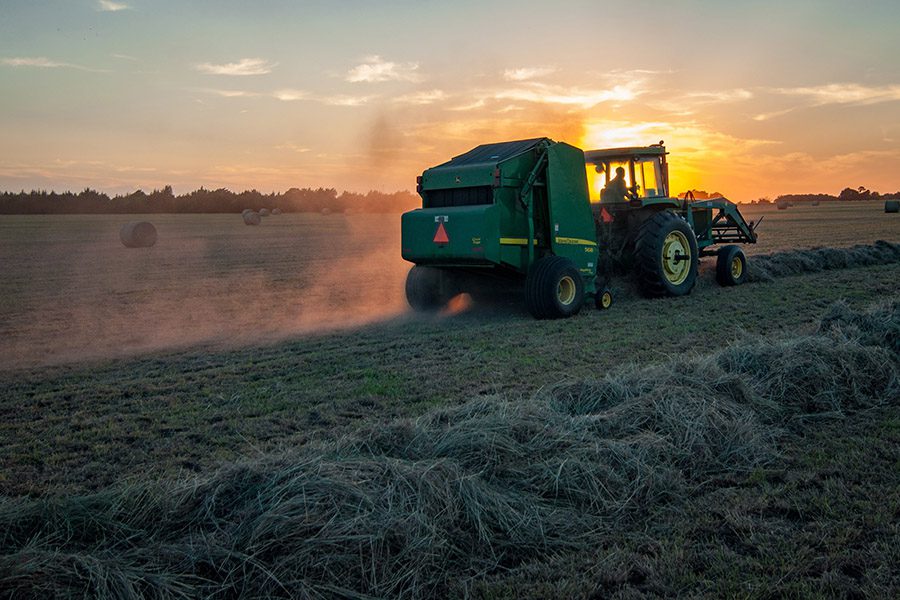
[
  {"x": 796, "y": 262},
  {"x": 426, "y": 507}
]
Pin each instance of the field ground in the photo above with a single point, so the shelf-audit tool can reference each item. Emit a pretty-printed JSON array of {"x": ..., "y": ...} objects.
[{"x": 86, "y": 406}]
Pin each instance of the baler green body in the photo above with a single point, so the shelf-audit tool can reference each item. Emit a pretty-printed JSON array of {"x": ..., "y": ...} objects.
[{"x": 501, "y": 206}]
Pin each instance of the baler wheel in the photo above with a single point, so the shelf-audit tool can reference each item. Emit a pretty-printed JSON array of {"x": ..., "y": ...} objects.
[
  {"x": 554, "y": 288},
  {"x": 428, "y": 288},
  {"x": 603, "y": 300},
  {"x": 731, "y": 266},
  {"x": 666, "y": 256}
]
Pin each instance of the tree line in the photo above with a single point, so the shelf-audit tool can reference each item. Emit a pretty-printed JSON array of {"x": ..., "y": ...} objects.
[
  {"x": 847, "y": 194},
  {"x": 222, "y": 200}
]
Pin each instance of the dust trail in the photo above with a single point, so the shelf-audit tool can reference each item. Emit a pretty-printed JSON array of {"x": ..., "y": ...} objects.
[{"x": 72, "y": 292}]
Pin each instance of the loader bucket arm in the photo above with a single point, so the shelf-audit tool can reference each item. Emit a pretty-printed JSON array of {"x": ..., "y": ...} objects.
[{"x": 719, "y": 221}]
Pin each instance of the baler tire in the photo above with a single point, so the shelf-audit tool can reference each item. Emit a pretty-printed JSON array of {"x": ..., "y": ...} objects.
[
  {"x": 554, "y": 288},
  {"x": 649, "y": 245},
  {"x": 428, "y": 288},
  {"x": 731, "y": 266},
  {"x": 604, "y": 299}
]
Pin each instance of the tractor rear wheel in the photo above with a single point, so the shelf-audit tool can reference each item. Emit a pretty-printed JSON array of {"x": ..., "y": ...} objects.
[
  {"x": 731, "y": 266},
  {"x": 428, "y": 288},
  {"x": 554, "y": 288},
  {"x": 666, "y": 256}
]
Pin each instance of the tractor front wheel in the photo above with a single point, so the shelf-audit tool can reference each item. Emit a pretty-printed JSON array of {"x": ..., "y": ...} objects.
[
  {"x": 554, "y": 288},
  {"x": 428, "y": 288},
  {"x": 666, "y": 256},
  {"x": 731, "y": 266}
]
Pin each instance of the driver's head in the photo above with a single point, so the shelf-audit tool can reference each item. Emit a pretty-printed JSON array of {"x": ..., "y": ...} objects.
[{"x": 620, "y": 171}]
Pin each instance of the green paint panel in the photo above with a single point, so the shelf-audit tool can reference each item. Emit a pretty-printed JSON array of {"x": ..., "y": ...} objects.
[
  {"x": 471, "y": 235},
  {"x": 572, "y": 231}
]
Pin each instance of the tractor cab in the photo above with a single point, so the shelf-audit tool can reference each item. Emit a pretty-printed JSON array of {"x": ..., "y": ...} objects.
[{"x": 644, "y": 168}]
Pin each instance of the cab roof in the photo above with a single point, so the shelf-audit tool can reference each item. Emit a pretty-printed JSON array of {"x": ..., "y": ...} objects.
[{"x": 636, "y": 151}]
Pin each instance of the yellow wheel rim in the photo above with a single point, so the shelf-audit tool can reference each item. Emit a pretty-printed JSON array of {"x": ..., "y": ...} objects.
[
  {"x": 676, "y": 257},
  {"x": 565, "y": 290},
  {"x": 606, "y": 300},
  {"x": 737, "y": 267}
]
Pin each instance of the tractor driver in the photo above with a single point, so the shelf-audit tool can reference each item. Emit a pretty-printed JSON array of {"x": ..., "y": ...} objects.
[{"x": 616, "y": 190}]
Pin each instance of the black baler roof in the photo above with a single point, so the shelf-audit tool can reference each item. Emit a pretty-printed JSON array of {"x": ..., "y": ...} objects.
[{"x": 492, "y": 153}]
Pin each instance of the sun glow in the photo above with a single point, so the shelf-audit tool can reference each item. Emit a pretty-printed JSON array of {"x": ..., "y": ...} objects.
[{"x": 693, "y": 148}]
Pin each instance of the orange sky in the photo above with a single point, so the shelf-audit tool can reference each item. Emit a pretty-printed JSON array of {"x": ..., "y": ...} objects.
[{"x": 758, "y": 99}]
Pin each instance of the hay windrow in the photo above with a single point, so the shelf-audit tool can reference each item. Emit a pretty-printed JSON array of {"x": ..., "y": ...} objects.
[
  {"x": 418, "y": 508},
  {"x": 796, "y": 262}
]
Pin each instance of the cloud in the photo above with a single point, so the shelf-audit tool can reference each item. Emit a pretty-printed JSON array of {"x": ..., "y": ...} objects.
[
  {"x": 480, "y": 103},
  {"x": 713, "y": 97},
  {"x": 290, "y": 95},
  {"x": 554, "y": 94},
  {"x": 421, "y": 98},
  {"x": 526, "y": 73},
  {"x": 375, "y": 69},
  {"x": 291, "y": 146},
  {"x": 110, "y": 6},
  {"x": 41, "y": 62},
  {"x": 844, "y": 93},
  {"x": 234, "y": 93},
  {"x": 245, "y": 66},
  {"x": 849, "y": 94},
  {"x": 346, "y": 100}
]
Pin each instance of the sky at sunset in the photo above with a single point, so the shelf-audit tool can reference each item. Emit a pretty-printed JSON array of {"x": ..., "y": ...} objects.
[{"x": 753, "y": 98}]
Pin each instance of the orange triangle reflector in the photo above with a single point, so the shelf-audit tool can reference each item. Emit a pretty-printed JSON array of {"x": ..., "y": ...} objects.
[
  {"x": 605, "y": 216},
  {"x": 440, "y": 236}
]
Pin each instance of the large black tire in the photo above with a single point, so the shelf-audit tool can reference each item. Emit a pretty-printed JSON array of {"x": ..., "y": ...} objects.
[
  {"x": 554, "y": 288},
  {"x": 731, "y": 266},
  {"x": 663, "y": 244},
  {"x": 428, "y": 288}
]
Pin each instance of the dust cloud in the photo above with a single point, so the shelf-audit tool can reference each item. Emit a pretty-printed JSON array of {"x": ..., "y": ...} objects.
[{"x": 70, "y": 291}]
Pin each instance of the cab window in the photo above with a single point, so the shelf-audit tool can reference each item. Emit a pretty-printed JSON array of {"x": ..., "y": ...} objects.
[{"x": 648, "y": 172}]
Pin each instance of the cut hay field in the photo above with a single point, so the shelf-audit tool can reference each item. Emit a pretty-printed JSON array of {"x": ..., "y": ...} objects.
[{"x": 252, "y": 412}]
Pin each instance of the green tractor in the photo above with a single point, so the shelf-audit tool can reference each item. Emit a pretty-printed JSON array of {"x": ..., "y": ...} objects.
[{"x": 525, "y": 210}]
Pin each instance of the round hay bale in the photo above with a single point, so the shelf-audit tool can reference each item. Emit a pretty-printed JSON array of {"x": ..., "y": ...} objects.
[
  {"x": 138, "y": 234},
  {"x": 815, "y": 202},
  {"x": 264, "y": 212},
  {"x": 891, "y": 206},
  {"x": 246, "y": 210},
  {"x": 781, "y": 205},
  {"x": 252, "y": 218},
  {"x": 276, "y": 211},
  {"x": 326, "y": 211}
]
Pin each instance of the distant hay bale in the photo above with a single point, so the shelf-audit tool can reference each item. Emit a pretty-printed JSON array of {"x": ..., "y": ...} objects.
[
  {"x": 782, "y": 205},
  {"x": 276, "y": 211},
  {"x": 138, "y": 234},
  {"x": 252, "y": 218},
  {"x": 246, "y": 210},
  {"x": 326, "y": 211},
  {"x": 815, "y": 202},
  {"x": 264, "y": 212},
  {"x": 891, "y": 206}
]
